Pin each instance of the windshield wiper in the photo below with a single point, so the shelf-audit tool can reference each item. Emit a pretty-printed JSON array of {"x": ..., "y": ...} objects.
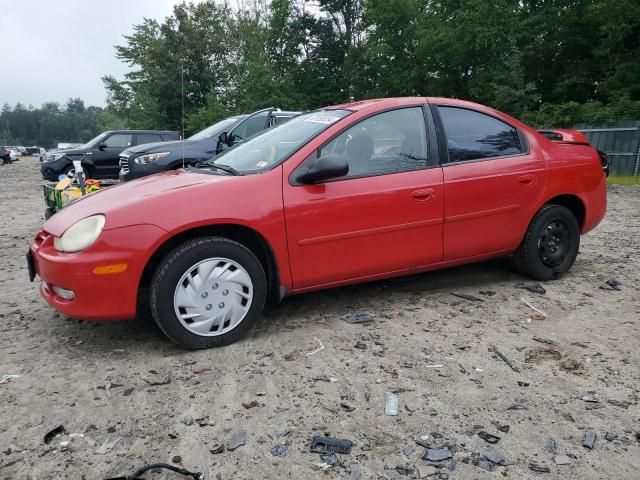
[
  {"x": 226, "y": 168},
  {"x": 219, "y": 166}
]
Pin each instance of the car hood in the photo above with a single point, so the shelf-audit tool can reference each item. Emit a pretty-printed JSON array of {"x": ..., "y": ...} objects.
[
  {"x": 157, "y": 147},
  {"x": 129, "y": 203}
]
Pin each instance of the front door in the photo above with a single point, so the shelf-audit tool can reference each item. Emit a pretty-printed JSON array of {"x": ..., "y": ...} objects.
[
  {"x": 492, "y": 180},
  {"x": 106, "y": 155},
  {"x": 384, "y": 216}
]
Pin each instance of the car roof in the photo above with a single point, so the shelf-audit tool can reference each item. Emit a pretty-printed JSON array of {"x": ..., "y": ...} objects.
[
  {"x": 141, "y": 131},
  {"x": 401, "y": 101}
]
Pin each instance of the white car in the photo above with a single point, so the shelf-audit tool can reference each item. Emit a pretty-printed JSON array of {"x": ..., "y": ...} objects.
[{"x": 14, "y": 153}]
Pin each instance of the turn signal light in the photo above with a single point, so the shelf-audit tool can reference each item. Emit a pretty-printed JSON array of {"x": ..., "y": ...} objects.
[{"x": 109, "y": 269}]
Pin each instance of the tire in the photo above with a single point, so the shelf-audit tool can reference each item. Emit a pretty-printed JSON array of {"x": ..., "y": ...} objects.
[
  {"x": 550, "y": 245},
  {"x": 204, "y": 278}
]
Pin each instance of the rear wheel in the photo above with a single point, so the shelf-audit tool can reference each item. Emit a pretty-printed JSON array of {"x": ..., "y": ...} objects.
[
  {"x": 550, "y": 245},
  {"x": 208, "y": 292}
]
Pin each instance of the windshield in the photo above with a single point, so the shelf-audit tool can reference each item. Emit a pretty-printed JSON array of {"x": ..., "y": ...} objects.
[
  {"x": 215, "y": 129},
  {"x": 93, "y": 142},
  {"x": 270, "y": 147}
]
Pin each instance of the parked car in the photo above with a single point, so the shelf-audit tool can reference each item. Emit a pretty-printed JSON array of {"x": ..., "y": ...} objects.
[
  {"x": 152, "y": 158},
  {"x": 12, "y": 155},
  {"x": 346, "y": 194},
  {"x": 5, "y": 155},
  {"x": 100, "y": 155}
]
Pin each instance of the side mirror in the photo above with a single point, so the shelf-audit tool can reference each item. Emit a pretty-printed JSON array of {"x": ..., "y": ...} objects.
[
  {"x": 102, "y": 146},
  {"x": 223, "y": 137},
  {"x": 324, "y": 168}
]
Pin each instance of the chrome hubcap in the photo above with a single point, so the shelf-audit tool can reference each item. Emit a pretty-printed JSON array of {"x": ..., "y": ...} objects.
[{"x": 213, "y": 297}]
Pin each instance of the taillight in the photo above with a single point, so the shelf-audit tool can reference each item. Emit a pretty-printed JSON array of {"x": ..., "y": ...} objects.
[{"x": 604, "y": 161}]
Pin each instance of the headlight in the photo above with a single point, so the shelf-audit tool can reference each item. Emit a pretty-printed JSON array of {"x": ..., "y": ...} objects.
[
  {"x": 52, "y": 157},
  {"x": 80, "y": 235},
  {"x": 150, "y": 158}
]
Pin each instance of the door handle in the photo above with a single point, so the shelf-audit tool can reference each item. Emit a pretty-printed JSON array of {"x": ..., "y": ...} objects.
[
  {"x": 526, "y": 179},
  {"x": 424, "y": 195}
]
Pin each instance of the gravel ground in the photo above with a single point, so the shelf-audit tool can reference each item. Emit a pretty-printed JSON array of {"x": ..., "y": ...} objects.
[{"x": 123, "y": 382}]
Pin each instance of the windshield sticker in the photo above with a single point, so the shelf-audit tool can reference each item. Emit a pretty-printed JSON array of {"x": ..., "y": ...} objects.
[
  {"x": 262, "y": 164},
  {"x": 324, "y": 118}
]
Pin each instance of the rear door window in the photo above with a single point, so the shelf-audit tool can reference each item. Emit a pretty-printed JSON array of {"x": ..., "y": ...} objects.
[
  {"x": 147, "y": 138},
  {"x": 472, "y": 135}
]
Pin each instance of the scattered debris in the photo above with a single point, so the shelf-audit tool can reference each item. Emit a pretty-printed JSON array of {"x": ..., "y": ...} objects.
[
  {"x": 166, "y": 380},
  {"x": 330, "y": 445},
  {"x": 7, "y": 378},
  {"x": 280, "y": 450},
  {"x": 562, "y": 460},
  {"x": 589, "y": 439},
  {"x": 537, "y": 316},
  {"x": 539, "y": 467},
  {"x": 320, "y": 348},
  {"x": 251, "y": 404},
  {"x": 391, "y": 404},
  {"x": 591, "y": 397},
  {"x": 216, "y": 447},
  {"x": 532, "y": 287},
  {"x": 487, "y": 437},
  {"x": 541, "y": 354},
  {"x": 433, "y": 366},
  {"x": 488, "y": 293},
  {"x": 128, "y": 392},
  {"x": 404, "y": 470},
  {"x": 504, "y": 428},
  {"x": 407, "y": 451},
  {"x": 237, "y": 440},
  {"x": 466, "y": 296},
  {"x": 187, "y": 420},
  {"x": 518, "y": 406},
  {"x": 532, "y": 307},
  {"x": 543, "y": 340},
  {"x": 292, "y": 356},
  {"x": 284, "y": 431},
  {"x": 51, "y": 434},
  {"x": 437, "y": 454},
  {"x": 495, "y": 458},
  {"x": 176, "y": 459},
  {"x": 145, "y": 468},
  {"x": 360, "y": 346},
  {"x": 354, "y": 475},
  {"x": 357, "y": 318},
  {"x": 504, "y": 358},
  {"x": 552, "y": 446},
  {"x": 108, "y": 445},
  {"x": 611, "y": 284},
  {"x": 347, "y": 406}
]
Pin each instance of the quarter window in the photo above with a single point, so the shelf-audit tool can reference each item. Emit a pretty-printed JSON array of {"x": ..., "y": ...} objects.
[
  {"x": 473, "y": 135},
  {"x": 390, "y": 142}
]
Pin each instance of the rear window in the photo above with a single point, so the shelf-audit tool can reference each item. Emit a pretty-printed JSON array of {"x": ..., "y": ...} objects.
[{"x": 473, "y": 135}]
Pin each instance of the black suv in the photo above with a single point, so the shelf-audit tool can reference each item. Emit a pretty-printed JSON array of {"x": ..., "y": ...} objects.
[
  {"x": 100, "y": 155},
  {"x": 146, "y": 160}
]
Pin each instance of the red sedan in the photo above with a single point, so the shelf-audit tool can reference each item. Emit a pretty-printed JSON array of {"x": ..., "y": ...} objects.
[{"x": 346, "y": 194}]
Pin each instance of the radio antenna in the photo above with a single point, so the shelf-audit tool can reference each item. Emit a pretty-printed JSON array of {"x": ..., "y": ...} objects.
[{"x": 182, "y": 114}]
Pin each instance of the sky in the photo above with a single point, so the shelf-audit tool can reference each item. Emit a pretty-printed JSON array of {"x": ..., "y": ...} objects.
[{"x": 51, "y": 50}]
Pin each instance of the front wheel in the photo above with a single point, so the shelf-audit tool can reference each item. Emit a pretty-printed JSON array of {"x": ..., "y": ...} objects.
[
  {"x": 550, "y": 245},
  {"x": 208, "y": 292}
]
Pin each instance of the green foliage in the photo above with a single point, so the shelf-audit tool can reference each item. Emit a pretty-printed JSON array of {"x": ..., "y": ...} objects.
[
  {"x": 52, "y": 123},
  {"x": 550, "y": 63}
]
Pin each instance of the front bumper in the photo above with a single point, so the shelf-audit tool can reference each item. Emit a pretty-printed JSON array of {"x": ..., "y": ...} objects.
[
  {"x": 51, "y": 170},
  {"x": 98, "y": 297},
  {"x": 129, "y": 170}
]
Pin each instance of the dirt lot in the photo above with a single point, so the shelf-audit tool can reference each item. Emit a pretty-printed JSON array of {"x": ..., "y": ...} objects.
[{"x": 124, "y": 382}]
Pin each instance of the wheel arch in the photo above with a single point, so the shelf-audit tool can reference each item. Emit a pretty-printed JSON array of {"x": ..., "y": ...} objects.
[
  {"x": 242, "y": 234},
  {"x": 573, "y": 203}
]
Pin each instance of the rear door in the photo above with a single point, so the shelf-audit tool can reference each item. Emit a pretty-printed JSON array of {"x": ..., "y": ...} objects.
[
  {"x": 143, "y": 138},
  {"x": 491, "y": 180},
  {"x": 384, "y": 216},
  {"x": 106, "y": 155}
]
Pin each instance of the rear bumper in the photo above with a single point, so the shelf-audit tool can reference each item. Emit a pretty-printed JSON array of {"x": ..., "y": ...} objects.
[
  {"x": 98, "y": 297},
  {"x": 595, "y": 206}
]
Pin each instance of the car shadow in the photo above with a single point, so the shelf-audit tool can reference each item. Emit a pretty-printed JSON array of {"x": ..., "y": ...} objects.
[
  {"x": 363, "y": 297},
  {"x": 143, "y": 333}
]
